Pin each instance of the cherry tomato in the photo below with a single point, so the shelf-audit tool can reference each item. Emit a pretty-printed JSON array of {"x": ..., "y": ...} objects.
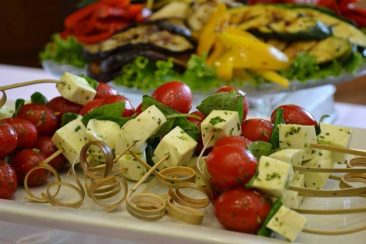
[
  {"x": 257, "y": 129},
  {"x": 129, "y": 109},
  {"x": 26, "y": 132},
  {"x": 233, "y": 140},
  {"x": 176, "y": 95},
  {"x": 230, "y": 166},
  {"x": 8, "y": 139},
  {"x": 138, "y": 109},
  {"x": 25, "y": 160},
  {"x": 197, "y": 121},
  {"x": 8, "y": 181},
  {"x": 46, "y": 146},
  {"x": 60, "y": 105},
  {"x": 245, "y": 101},
  {"x": 294, "y": 114},
  {"x": 91, "y": 105},
  {"x": 105, "y": 90},
  {"x": 242, "y": 210},
  {"x": 40, "y": 115}
]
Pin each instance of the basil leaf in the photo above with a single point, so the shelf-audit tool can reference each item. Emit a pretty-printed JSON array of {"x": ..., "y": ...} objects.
[
  {"x": 189, "y": 127},
  {"x": 68, "y": 117},
  {"x": 264, "y": 231},
  {"x": 119, "y": 120},
  {"x": 232, "y": 101},
  {"x": 93, "y": 83},
  {"x": 18, "y": 105},
  {"x": 38, "y": 97},
  {"x": 260, "y": 148},
  {"x": 152, "y": 144},
  {"x": 111, "y": 110},
  {"x": 275, "y": 137}
]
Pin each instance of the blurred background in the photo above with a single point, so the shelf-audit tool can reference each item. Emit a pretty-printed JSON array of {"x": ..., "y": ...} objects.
[{"x": 26, "y": 26}]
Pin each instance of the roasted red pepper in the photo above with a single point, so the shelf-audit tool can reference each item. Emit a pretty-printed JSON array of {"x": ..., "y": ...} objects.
[{"x": 99, "y": 21}]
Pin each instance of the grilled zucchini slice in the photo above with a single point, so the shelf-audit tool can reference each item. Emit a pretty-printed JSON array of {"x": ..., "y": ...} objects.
[
  {"x": 293, "y": 49},
  {"x": 330, "y": 49}
]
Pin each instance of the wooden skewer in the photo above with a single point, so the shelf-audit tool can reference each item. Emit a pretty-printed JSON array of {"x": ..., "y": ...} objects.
[
  {"x": 347, "y": 192},
  {"x": 356, "y": 152},
  {"x": 27, "y": 83},
  {"x": 329, "y": 170}
]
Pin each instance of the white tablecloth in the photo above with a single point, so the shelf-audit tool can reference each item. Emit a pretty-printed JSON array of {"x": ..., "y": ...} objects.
[{"x": 347, "y": 115}]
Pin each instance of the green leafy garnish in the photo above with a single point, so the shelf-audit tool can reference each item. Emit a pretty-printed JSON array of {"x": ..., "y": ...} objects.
[
  {"x": 18, "y": 104},
  {"x": 232, "y": 101},
  {"x": 68, "y": 117},
  {"x": 216, "y": 120},
  {"x": 110, "y": 111},
  {"x": 275, "y": 137},
  {"x": 264, "y": 231},
  {"x": 38, "y": 97},
  {"x": 260, "y": 148},
  {"x": 93, "y": 83},
  {"x": 189, "y": 127},
  {"x": 64, "y": 51}
]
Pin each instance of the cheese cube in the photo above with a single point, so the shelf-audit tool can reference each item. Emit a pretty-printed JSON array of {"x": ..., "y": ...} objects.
[
  {"x": 291, "y": 199},
  {"x": 131, "y": 167},
  {"x": 291, "y": 156},
  {"x": 139, "y": 129},
  {"x": 272, "y": 176},
  {"x": 6, "y": 112},
  {"x": 335, "y": 136},
  {"x": 298, "y": 137},
  {"x": 71, "y": 138},
  {"x": 75, "y": 89},
  {"x": 314, "y": 179},
  {"x": 287, "y": 223},
  {"x": 178, "y": 145},
  {"x": 220, "y": 123},
  {"x": 103, "y": 130}
]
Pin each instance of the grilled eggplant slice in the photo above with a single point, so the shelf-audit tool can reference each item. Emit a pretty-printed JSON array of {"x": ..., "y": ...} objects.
[{"x": 149, "y": 36}]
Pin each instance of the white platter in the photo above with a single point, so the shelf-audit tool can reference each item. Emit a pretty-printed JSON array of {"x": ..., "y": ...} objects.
[{"x": 91, "y": 219}]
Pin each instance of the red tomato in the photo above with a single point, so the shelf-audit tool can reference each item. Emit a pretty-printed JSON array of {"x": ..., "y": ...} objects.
[
  {"x": 8, "y": 181},
  {"x": 105, "y": 90},
  {"x": 128, "y": 111},
  {"x": 197, "y": 122},
  {"x": 138, "y": 109},
  {"x": 24, "y": 161},
  {"x": 176, "y": 95},
  {"x": 8, "y": 139},
  {"x": 230, "y": 166},
  {"x": 257, "y": 129},
  {"x": 242, "y": 210},
  {"x": 294, "y": 114},
  {"x": 245, "y": 102},
  {"x": 60, "y": 105},
  {"x": 91, "y": 105},
  {"x": 233, "y": 140},
  {"x": 46, "y": 146},
  {"x": 40, "y": 115},
  {"x": 26, "y": 132}
]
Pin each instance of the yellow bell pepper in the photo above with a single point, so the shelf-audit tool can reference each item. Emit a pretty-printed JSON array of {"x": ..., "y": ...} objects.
[
  {"x": 257, "y": 54},
  {"x": 208, "y": 34},
  {"x": 219, "y": 49},
  {"x": 273, "y": 77},
  {"x": 225, "y": 69}
]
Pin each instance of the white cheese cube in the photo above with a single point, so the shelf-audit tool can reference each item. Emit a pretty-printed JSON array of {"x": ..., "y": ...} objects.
[
  {"x": 220, "y": 123},
  {"x": 103, "y": 130},
  {"x": 131, "y": 167},
  {"x": 335, "y": 136},
  {"x": 71, "y": 138},
  {"x": 315, "y": 179},
  {"x": 6, "y": 112},
  {"x": 287, "y": 223},
  {"x": 291, "y": 199},
  {"x": 291, "y": 156},
  {"x": 178, "y": 145},
  {"x": 272, "y": 176},
  {"x": 298, "y": 137},
  {"x": 139, "y": 129},
  {"x": 75, "y": 89}
]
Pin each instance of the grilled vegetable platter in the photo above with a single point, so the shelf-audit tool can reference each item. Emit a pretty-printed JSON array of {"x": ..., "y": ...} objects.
[
  {"x": 208, "y": 44},
  {"x": 167, "y": 158}
]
